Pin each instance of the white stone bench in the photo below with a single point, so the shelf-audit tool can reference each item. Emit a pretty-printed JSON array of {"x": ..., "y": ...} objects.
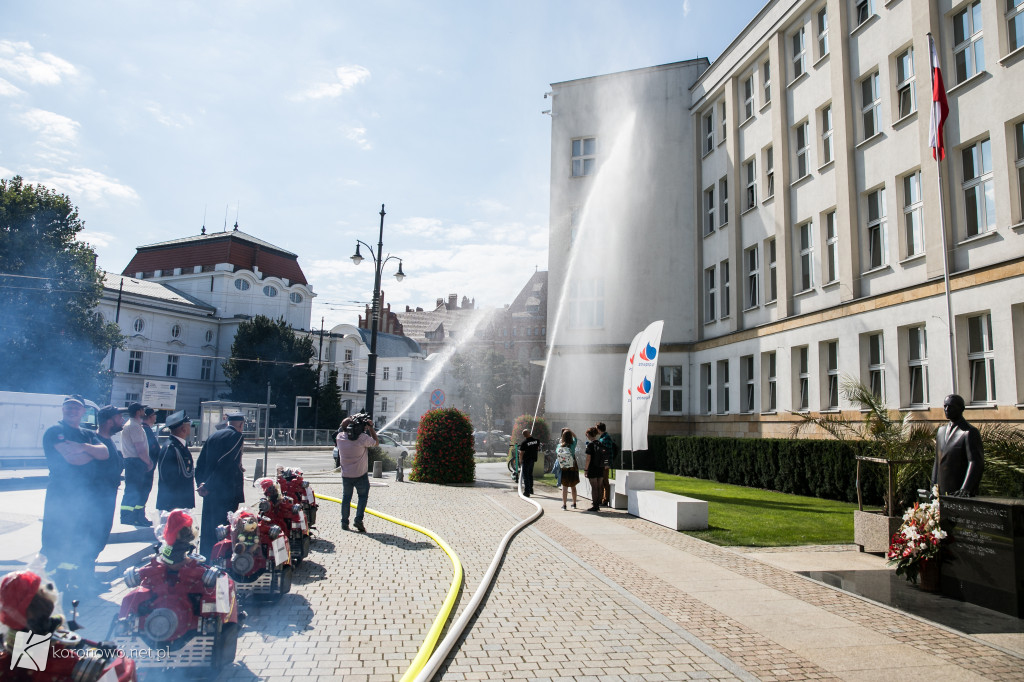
[
  {"x": 668, "y": 509},
  {"x": 623, "y": 482}
]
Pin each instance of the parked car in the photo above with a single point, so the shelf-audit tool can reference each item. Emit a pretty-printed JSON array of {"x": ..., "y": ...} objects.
[{"x": 391, "y": 447}]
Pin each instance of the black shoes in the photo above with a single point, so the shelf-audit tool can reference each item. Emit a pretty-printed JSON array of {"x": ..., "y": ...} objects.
[
  {"x": 344, "y": 526},
  {"x": 359, "y": 526}
]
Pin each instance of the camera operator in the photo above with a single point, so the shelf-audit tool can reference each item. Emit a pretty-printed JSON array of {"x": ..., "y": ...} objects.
[{"x": 356, "y": 437}]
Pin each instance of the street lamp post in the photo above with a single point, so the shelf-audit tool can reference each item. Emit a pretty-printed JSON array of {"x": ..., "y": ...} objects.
[{"x": 378, "y": 261}]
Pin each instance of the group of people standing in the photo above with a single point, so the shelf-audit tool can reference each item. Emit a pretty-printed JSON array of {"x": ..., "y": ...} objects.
[
  {"x": 86, "y": 470},
  {"x": 600, "y": 451}
]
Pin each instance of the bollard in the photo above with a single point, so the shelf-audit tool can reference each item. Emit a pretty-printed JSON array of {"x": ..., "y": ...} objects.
[
  {"x": 378, "y": 469},
  {"x": 258, "y": 474}
]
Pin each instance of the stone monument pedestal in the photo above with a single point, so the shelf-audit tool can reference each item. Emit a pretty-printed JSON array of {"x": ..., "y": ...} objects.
[{"x": 874, "y": 531}]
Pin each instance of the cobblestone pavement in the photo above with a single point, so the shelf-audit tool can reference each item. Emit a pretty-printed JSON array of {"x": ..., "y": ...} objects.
[{"x": 567, "y": 604}]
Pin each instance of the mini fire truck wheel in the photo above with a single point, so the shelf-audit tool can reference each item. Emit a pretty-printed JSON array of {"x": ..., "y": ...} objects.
[
  {"x": 311, "y": 516},
  {"x": 225, "y": 644},
  {"x": 305, "y": 546},
  {"x": 284, "y": 580}
]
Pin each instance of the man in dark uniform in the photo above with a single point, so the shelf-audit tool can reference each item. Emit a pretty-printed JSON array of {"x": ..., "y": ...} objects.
[
  {"x": 177, "y": 472},
  {"x": 106, "y": 480},
  {"x": 528, "y": 456},
  {"x": 219, "y": 475},
  {"x": 71, "y": 455},
  {"x": 959, "y": 459}
]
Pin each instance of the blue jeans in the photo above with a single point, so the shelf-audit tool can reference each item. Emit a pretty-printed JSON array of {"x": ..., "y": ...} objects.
[
  {"x": 557, "y": 471},
  {"x": 361, "y": 484}
]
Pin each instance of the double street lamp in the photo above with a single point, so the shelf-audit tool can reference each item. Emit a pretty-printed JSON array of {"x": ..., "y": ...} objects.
[{"x": 378, "y": 261}]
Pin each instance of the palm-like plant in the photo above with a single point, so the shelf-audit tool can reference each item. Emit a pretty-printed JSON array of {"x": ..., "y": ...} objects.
[
  {"x": 906, "y": 444},
  {"x": 1004, "y": 460}
]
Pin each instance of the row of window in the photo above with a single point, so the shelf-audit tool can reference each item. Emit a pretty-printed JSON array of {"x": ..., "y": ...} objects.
[
  {"x": 717, "y": 389},
  {"x": 139, "y": 326},
  {"x": 268, "y": 290},
  {"x": 171, "y": 370}
]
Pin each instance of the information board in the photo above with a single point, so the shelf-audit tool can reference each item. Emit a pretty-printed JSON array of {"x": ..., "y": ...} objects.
[{"x": 160, "y": 395}]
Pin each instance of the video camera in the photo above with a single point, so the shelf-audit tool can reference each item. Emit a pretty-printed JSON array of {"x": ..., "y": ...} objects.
[{"x": 358, "y": 424}]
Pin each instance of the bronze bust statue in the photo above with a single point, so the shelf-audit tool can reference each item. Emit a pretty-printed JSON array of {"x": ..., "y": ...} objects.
[{"x": 959, "y": 459}]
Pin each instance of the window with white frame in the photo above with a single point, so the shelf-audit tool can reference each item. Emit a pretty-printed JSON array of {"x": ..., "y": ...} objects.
[
  {"x": 822, "y": 23},
  {"x": 586, "y": 303},
  {"x": 346, "y": 382},
  {"x": 826, "y": 134},
  {"x": 750, "y": 171},
  {"x": 1015, "y": 24},
  {"x": 175, "y": 331},
  {"x": 981, "y": 359},
  {"x": 870, "y": 97},
  {"x": 723, "y": 201},
  {"x": 584, "y": 156},
  {"x": 348, "y": 355},
  {"x": 805, "y": 242},
  {"x": 863, "y": 10},
  {"x": 749, "y": 382},
  {"x": 773, "y": 289},
  {"x": 876, "y": 365},
  {"x": 831, "y": 267},
  {"x": 1018, "y": 137},
  {"x": 269, "y": 291},
  {"x": 707, "y": 393},
  {"x": 130, "y": 398},
  {"x": 979, "y": 192},
  {"x": 803, "y": 378},
  {"x": 769, "y": 173},
  {"x": 384, "y": 404},
  {"x": 917, "y": 365},
  {"x": 968, "y": 46},
  {"x": 769, "y": 400},
  {"x": 830, "y": 350},
  {"x": 802, "y": 135},
  {"x": 386, "y": 374},
  {"x": 710, "y": 282},
  {"x": 709, "y": 210},
  {"x": 172, "y": 365},
  {"x": 748, "y": 97},
  {"x": 723, "y": 387},
  {"x": 721, "y": 116},
  {"x": 206, "y": 370},
  {"x": 672, "y": 390},
  {"x": 753, "y": 273},
  {"x": 799, "y": 51},
  {"x": 905, "y": 96},
  {"x": 709, "y": 131},
  {"x": 139, "y": 325},
  {"x": 766, "y": 81},
  {"x": 913, "y": 226},
  {"x": 135, "y": 362},
  {"x": 398, "y": 373},
  {"x": 878, "y": 242},
  {"x": 723, "y": 272}
]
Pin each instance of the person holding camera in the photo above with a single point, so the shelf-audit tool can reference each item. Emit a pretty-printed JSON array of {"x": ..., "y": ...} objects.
[{"x": 356, "y": 437}]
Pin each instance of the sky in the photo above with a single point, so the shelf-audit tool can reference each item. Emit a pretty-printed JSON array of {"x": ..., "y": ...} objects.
[{"x": 299, "y": 119}]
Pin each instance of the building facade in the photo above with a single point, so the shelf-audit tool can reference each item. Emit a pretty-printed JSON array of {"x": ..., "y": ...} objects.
[
  {"x": 179, "y": 304},
  {"x": 807, "y": 238}
]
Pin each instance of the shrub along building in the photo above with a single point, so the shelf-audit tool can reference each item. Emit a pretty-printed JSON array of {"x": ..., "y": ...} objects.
[
  {"x": 181, "y": 302},
  {"x": 781, "y": 211}
]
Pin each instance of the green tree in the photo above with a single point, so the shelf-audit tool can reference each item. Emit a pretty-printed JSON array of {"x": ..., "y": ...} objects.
[
  {"x": 267, "y": 350},
  {"x": 329, "y": 413},
  {"x": 485, "y": 379},
  {"x": 51, "y": 338}
]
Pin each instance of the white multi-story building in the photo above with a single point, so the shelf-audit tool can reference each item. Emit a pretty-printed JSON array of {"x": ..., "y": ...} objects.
[
  {"x": 781, "y": 211},
  {"x": 179, "y": 303}
]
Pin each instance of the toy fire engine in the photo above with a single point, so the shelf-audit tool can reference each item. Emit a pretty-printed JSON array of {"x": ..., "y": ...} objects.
[
  {"x": 181, "y": 610},
  {"x": 286, "y": 513},
  {"x": 255, "y": 553},
  {"x": 294, "y": 486}
]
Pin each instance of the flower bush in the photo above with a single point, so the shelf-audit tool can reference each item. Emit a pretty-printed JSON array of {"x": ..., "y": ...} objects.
[
  {"x": 918, "y": 540},
  {"x": 444, "y": 448}
]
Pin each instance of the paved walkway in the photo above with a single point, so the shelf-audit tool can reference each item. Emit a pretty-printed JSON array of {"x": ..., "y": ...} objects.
[{"x": 579, "y": 596}]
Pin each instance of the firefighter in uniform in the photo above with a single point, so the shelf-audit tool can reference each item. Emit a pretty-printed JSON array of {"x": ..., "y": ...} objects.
[
  {"x": 177, "y": 471},
  {"x": 219, "y": 479}
]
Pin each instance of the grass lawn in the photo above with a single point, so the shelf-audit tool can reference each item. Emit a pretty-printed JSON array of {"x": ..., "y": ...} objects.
[{"x": 751, "y": 517}]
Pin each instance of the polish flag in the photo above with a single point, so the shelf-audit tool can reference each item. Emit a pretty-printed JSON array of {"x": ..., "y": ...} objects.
[{"x": 940, "y": 106}]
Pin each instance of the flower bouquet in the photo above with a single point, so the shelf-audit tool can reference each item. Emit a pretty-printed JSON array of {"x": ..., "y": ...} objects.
[{"x": 917, "y": 541}]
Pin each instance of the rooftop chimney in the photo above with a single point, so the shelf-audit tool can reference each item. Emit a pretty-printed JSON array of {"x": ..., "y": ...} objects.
[
  {"x": 453, "y": 301},
  {"x": 440, "y": 302}
]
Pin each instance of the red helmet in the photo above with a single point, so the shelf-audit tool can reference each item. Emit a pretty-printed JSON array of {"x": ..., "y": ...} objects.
[
  {"x": 176, "y": 520},
  {"x": 16, "y": 592},
  {"x": 265, "y": 484}
]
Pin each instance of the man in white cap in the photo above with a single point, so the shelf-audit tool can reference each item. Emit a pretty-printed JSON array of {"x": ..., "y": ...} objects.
[
  {"x": 219, "y": 477},
  {"x": 177, "y": 471}
]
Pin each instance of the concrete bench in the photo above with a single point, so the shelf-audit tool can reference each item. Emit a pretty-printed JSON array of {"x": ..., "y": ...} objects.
[
  {"x": 668, "y": 509},
  {"x": 623, "y": 482}
]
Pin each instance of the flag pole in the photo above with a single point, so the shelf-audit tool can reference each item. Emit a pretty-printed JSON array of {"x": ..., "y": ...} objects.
[{"x": 938, "y": 155}]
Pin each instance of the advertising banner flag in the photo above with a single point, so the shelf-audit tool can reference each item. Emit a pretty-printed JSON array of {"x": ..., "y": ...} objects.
[{"x": 640, "y": 377}]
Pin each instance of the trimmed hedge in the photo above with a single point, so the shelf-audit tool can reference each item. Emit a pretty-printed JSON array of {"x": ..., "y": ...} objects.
[
  {"x": 816, "y": 468},
  {"x": 444, "y": 448}
]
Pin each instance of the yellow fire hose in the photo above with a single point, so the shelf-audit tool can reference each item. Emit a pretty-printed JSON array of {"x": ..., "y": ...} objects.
[{"x": 423, "y": 655}]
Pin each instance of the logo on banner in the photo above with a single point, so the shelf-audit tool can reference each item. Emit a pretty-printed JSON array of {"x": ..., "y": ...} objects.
[
  {"x": 30, "y": 651},
  {"x": 644, "y": 388},
  {"x": 649, "y": 353}
]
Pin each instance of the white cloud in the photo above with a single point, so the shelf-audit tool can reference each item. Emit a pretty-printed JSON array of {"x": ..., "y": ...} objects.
[
  {"x": 8, "y": 89},
  {"x": 491, "y": 205},
  {"x": 169, "y": 120},
  {"x": 348, "y": 77},
  {"x": 20, "y": 61},
  {"x": 358, "y": 135},
  {"x": 686, "y": 8},
  {"x": 84, "y": 184},
  {"x": 99, "y": 240},
  {"x": 53, "y": 129}
]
